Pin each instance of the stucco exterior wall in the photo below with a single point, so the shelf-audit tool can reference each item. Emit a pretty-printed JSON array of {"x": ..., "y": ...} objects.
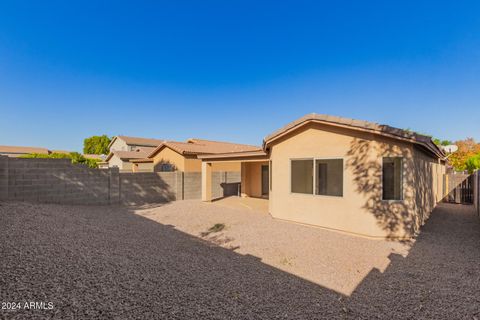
[
  {"x": 167, "y": 155},
  {"x": 252, "y": 178},
  {"x": 189, "y": 163},
  {"x": 361, "y": 209},
  {"x": 192, "y": 164},
  {"x": 226, "y": 166},
  {"x": 119, "y": 145},
  {"x": 142, "y": 167},
  {"x": 122, "y": 165}
]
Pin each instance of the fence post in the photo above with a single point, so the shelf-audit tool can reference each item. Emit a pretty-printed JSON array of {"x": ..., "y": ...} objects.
[
  {"x": 477, "y": 191},
  {"x": 3, "y": 178},
  {"x": 114, "y": 185}
]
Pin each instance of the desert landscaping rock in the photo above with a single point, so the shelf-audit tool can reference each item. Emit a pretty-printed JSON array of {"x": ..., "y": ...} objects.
[{"x": 114, "y": 262}]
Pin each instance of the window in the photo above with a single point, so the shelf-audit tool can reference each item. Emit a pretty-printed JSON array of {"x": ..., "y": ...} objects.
[
  {"x": 392, "y": 178},
  {"x": 329, "y": 177},
  {"x": 166, "y": 167},
  {"x": 302, "y": 176}
]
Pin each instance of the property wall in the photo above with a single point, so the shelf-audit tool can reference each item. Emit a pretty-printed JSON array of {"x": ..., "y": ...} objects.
[
  {"x": 476, "y": 191},
  {"x": 361, "y": 210},
  {"x": 149, "y": 187},
  {"x": 54, "y": 181},
  {"x": 59, "y": 181},
  {"x": 225, "y": 183}
]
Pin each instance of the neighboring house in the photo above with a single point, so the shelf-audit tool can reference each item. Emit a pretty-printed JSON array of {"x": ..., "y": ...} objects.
[
  {"x": 123, "y": 149},
  {"x": 15, "y": 151},
  {"x": 121, "y": 159},
  {"x": 183, "y": 156},
  {"x": 342, "y": 174},
  {"x": 124, "y": 143}
]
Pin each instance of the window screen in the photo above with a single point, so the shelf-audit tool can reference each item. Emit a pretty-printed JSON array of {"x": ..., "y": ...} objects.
[
  {"x": 302, "y": 176},
  {"x": 329, "y": 177},
  {"x": 392, "y": 178}
]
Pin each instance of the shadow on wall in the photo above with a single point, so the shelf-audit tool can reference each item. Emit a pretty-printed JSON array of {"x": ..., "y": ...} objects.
[
  {"x": 155, "y": 271},
  {"x": 396, "y": 218},
  {"x": 164, "y": 166},
  {"x": 148, "y": 187}
]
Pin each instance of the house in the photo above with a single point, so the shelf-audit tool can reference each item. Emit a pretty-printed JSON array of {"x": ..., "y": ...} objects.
[
  {"x": 183, "y": 156},
  {"x": 122, "y": 159},
  {"x": 341, "y": 174},
  {"x": 123, "y": 149},
  {"x": 16, "y": 151}
]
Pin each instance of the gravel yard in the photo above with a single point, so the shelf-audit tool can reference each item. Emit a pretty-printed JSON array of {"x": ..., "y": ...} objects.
[{"x": 163, "y": 262}]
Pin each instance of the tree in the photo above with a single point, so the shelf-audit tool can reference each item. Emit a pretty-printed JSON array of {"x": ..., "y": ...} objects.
[
  {"x": 466, "y": 149},
  {"x": 439, "y": 142},
  {"x": 473, "y": 163},
  {"x": 96, "y": 145}
]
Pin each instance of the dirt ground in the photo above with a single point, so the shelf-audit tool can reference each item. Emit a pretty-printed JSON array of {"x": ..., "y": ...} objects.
[{"x": 193, "y": 260}]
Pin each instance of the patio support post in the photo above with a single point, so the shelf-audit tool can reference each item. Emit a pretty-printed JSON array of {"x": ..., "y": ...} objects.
[
  {"x": 206, "y": 181},
  {"x": 243, "y": 180}
]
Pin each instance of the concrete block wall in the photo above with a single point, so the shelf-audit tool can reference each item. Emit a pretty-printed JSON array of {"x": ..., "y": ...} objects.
[
  {"x": 192, "y": 185},
  {"x": 225, "y": 183},
  {"x": 149, "y": 187},
  {"x": 59, "y": 181},
  {"x": 52, "y": 181}
]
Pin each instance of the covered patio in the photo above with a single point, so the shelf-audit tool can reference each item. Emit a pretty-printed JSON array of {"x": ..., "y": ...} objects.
[{"x": 255, "y": 173}]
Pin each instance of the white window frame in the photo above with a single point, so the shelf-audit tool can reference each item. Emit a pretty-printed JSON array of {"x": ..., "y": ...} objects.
[
  {"x": 402, "y": 184},
  {"x": 315, "y": 177}
]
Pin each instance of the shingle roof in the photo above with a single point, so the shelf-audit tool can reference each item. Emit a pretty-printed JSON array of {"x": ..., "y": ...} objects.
[
  {"x": 139, "y": 141},
  {"x": 23, "y": 150},
  {"x": 373, "y": 127},
  {"x": 202, "y": 146},
  {"x": 140, "y": 153}
]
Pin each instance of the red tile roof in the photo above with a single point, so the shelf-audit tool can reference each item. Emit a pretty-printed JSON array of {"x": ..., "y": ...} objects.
[
  {"x": 202, "y": 146},
  {"x": 376, "y": 128},
  {"x": 22, "y": 150}
]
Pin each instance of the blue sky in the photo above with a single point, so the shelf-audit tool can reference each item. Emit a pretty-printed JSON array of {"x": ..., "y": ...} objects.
[{"x": 233, "y": 70}]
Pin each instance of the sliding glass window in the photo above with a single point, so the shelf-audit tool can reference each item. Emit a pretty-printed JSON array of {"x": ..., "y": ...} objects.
[
  {"x": 302, "y": 176},
  {"x": 329, "y": 177}
]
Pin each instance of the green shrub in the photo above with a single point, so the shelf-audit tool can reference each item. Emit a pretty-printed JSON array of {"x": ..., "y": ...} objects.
[
  {"x": 473, "y": 163},
  {"x": 75, "y": 157}
]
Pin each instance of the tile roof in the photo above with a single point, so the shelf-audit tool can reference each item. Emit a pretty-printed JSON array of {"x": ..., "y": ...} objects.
[
  {"x": 140, "y": 141},
  {"x": 140, "y": 153},
  {"x": 373, "y": 127},
  {"x": 202, "y": 146},
  {"x": 23, "y": 150}
]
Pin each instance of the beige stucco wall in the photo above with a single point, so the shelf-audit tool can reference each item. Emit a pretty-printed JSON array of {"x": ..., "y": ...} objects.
[
  {"x": 142, "y": 167},
  {"x": 189, "y": 163},
  {"x": 226, "y": 166},
  {"x": 361, "y": 210},
  {"x": 252, "y": 178},
  {"x": 119, "y": 145},
  {"x": 122, "y": 165},
  {"x": 167, "y": 155}
]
